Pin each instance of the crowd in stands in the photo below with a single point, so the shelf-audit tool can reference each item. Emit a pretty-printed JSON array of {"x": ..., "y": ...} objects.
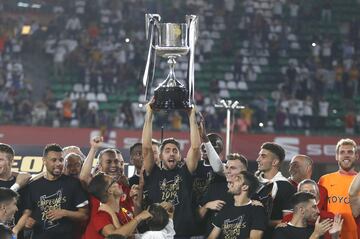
[
  {"x": 202, "y": 195},
  {"x": 98, "y": 48}
]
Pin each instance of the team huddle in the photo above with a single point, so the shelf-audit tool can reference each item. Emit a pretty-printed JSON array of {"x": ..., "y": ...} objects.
[{"x": 170, "y": 196}]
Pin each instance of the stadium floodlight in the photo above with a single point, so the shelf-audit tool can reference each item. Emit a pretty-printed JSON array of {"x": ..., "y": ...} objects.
[{"x": 229, "y": 105}]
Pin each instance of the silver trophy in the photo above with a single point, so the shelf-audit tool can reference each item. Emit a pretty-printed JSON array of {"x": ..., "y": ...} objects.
[{"x": 170, "y": 41}]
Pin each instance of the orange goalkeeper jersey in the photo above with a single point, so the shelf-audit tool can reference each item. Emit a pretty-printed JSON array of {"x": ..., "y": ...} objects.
[{"x": 338, "y": 184}]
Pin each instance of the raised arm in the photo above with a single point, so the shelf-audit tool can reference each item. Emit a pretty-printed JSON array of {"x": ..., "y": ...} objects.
[
  {"x": 354, "y": 191},
  {"x": 215, "y": 205},
  {"x": 193, "y": 154},
  {"x": 147, "y": 152},
  {"x": 85, "y": 173},
  {"x": 214, "y": 159}
]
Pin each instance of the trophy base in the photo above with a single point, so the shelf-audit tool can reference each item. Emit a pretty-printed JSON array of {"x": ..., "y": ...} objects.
[{"x": 171, "y": 98}]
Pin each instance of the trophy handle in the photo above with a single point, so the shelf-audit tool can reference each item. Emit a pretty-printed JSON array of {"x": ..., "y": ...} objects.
[
  {"x": 150, "y": 21},
  {"x": 192, "y": 19},
  {"x": 192, "y": 22}
]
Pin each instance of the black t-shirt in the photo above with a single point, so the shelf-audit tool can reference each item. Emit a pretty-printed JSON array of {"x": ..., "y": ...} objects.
[
  {"x": 216, "y": 191},
  {"x": 173, "y": 186},
  {"x": 134, "y": 180},
  {"x": 18, "y": 214},
  {"x": 281, "y": 202},
  {"x": 275, "y": 207},
  {"x": 43, "y": 195},
  {"x": 291, "y": 232},
  {"x": 236, "y": 222},
  {"x": 7, "y": 184},
  {"x": 203, "y": 176}
]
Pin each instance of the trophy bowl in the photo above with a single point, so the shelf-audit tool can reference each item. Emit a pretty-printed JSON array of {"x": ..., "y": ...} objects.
[{"x": 170, "y": 41}]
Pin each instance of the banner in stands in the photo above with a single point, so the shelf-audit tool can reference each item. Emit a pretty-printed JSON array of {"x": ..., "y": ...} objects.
[{"x": 29, "y": 142}]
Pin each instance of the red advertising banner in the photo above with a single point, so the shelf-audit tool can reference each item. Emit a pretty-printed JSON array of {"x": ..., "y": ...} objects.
[{"x": 320, "y": 148}]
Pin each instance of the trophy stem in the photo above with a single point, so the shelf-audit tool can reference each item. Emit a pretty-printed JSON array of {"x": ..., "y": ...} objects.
[{"x": 171, "y": 78}]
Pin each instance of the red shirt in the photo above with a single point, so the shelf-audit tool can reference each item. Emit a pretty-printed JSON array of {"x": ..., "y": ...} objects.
[
  {"x": 125, "y": 203},
  {"x": 357, "y": 220},
  {"x": 322, "y": 205},
  {"x": 102, "y": 219},
  {"x": 323, "y": 215}
]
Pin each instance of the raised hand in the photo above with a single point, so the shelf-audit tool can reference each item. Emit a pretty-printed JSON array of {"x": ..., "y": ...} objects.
[
  {"x": 96, "y": 142},
  {"x": 169, "y": 207},
  {"x": 337, "y": 225},
  {"x": 322, "y": 227},
  {"x": 202, "y": 129},
  {"x": 216, "y": 205}
]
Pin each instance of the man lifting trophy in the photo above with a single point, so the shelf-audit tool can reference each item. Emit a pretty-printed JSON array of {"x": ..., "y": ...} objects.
[{"x": 170, "y": 41}]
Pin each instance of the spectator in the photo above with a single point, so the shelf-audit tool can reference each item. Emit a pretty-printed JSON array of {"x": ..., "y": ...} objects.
[
  {"x": 308, "y": 113},
  {"x": 326, "y": 11},
  {"x": 350, "y": 122},
  {"x": 323, "y": 112}
]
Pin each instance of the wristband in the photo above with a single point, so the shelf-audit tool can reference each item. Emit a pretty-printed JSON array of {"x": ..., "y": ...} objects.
[{"x": 15, "y": 187}]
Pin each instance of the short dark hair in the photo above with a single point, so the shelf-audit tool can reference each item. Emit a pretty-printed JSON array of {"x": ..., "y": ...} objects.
[
  {"x": 115, "y": 236},
  {"x": 216, "y": 140},
  {"x": 240, "y": 157},
  {"x": 7, "y": 194},
  {"x": 275, "y": 149},
  {"x": 132, "y": 147},
  {"x": 251, "y": 181},
  {"x": 160, "y": 218},
  {"x": 169, "y": 141},
  {"x": 5, "y": 148},
  {"x": 97, "y": 187},
  {"x": 301, "y": 197},
  {"x": 51, "y": 147},
  {"x": 5, "y": 232}
]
